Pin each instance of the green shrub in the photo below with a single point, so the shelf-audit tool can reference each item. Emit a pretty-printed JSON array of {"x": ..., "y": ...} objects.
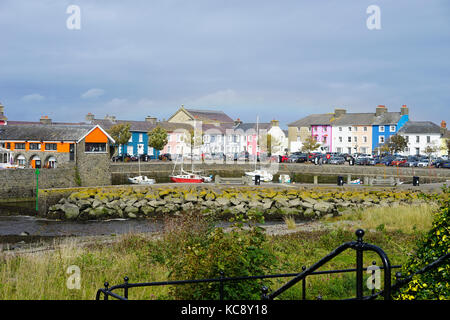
[
  {"x": 433, "y": 284},
  {"x": 197, "y": 250}
]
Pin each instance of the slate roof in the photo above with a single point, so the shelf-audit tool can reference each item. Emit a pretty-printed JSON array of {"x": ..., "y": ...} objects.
[
  {"x": 142, "y": 126},
  {"x": 313, "y": 119},
  {"x": 385, "y": 118},
  {"x": 252, "y": 125},
  {"x": 213, "y": 115},
  {"x": 43, "y": 132},
  {"x": 420, "y": 127}
]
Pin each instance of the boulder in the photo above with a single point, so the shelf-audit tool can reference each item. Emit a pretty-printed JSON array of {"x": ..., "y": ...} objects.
[
  {"x": 323, "y": 207},
  {"x": 223, "y": 202},
  {"x": 70, "y": 210}
]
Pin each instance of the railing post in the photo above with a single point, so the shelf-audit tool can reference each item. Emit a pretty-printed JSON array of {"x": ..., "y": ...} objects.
[
  {"x": 359, "y": 264},
  {"x": 304, "y": 285},
  {"x": 125, "y": 289},
  {"x": 221, "y": 285},
  {"x": 264, "y": 291},
  {"x": 373, "y": 277},
  {"x": 106, "y": 290}
]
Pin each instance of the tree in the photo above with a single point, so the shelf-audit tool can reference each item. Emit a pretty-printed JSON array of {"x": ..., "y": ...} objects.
[
  {"x": 157, "y": 138},
  {"x": 310, "y": 144},
  {"x": 395, "y": 144},
  {"x": 121, "y": 134}
]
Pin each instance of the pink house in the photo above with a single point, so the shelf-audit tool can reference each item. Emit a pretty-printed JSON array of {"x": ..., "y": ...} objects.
[{"x": 322, "y": 133}]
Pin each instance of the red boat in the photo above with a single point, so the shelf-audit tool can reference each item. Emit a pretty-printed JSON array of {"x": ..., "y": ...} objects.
[{"x": 187, "y": 178}]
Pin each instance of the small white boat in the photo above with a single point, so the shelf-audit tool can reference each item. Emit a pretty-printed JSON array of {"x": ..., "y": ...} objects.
[
  {"x": 141, "y": 180},
  {"x": 264, "y": 175}
]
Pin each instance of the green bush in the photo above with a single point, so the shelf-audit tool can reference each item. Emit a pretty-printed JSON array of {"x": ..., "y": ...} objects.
[
  {"x": 197, "y": 250},
  {"x": 433, "y": 284}
]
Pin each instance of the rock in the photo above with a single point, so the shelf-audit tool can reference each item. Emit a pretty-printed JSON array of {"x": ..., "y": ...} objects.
[
  {"x": 24, "y": 233},
  {"x": 323, "y": 207},
  {"x": 267, "y": 204},
  {"x": 189, "y": 197},
  {"x": 147, "y": 210},
  {"x": 132, "y": 215},
  {"x": 254, "y": 204},
  {"x": 308, "y": 213},
  {"x": 70, "y": 210},
  {"x": 309, "y": 200},
  {"x": 131, "y": 209},
  {"x": 187, "y": 206},
  {"x": 294, "y": 202},
  {"x": 83, "y": 204},
  {"x": 55, "y": 207},
  {"x": 140, "y": 203},
  {"x": 235, "y": 201},
  {"x": 96, "y": 203},
  {"x": 307, "y": 205},
  {"x": 223, "y": 202}
]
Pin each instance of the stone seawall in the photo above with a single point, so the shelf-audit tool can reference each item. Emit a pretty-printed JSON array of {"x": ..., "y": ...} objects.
[
  {"x": 299, "y": 172},
  {"x": 21, "y": 183},
  {"x": 221, "y": 201}
]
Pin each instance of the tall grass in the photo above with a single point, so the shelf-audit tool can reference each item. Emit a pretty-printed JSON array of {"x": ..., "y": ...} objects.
[{"x": 407, "y": 219}]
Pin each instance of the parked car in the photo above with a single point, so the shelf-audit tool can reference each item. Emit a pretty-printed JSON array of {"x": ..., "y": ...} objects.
[
  {"x": 298, "y": 157},
  {"x": 442, "y": 163},
  {"x": 398, "y": 161},
  {"x": 362, "y": 161},
  {"x": 423, "y": 162},
  {"x": 337, "y": 160},
  {"x": 165, "y": 156}
]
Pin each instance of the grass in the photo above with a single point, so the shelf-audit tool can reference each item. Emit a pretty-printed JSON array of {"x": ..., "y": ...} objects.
[
  {"x": 290, "y": 222},
  {"x": 407, "y": 219},
  {"x": 140, "y": 257}
]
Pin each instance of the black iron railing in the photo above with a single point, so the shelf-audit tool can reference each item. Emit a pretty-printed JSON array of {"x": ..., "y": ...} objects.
[{"x": 359, "y": 246}]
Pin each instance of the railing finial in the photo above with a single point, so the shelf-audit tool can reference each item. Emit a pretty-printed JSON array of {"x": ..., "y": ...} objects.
[{"x": 360, "y": 234}]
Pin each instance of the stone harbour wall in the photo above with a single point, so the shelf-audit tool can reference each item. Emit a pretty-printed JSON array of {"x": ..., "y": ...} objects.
[{"x": 221, "y": 201}]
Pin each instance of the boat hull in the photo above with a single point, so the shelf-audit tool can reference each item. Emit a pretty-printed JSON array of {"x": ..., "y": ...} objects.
[{"x": 186, "y": 180}]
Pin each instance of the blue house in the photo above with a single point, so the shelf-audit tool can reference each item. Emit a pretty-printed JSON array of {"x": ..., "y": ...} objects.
[
  {"x": 387, "y": 124},
  {"x": 138, "y": 143}
]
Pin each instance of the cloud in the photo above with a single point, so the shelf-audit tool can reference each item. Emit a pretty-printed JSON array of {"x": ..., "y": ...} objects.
[
  {"x": 93, "y": 93},
  {"x": 35, "y": 97}
]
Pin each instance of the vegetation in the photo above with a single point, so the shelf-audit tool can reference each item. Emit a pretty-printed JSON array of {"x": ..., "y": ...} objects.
[
  {"x": 394, "y": 144},
  {"x": 121, "y": 134},
  {"x": 157, "y": 138},
  {"x": 434, "y": 284},
  {"x": 191, "y": 248},
  {"x": 310, "y": 144}
]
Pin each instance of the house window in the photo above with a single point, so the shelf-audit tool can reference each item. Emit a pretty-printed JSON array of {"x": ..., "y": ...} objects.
[
  {"x": 350, "y": 129},
  {"x": 365, "y": 129},
  {"x": 94, "y": 147},
  {"x": 349, "y": 139},
  {"x": 50, "y": 147},
  {"x": 324, "y": 139},
  {"x": 356, "y": 139},
  {"x": 325, "y": 129},
  {"x": 407, "y": 139},
  {"x": 339, "y": 150},
  {"x": 392, "y": 128},
  {"x": 8, "y": 145},
  {"x": 20, "y": 146},
  {"x": 141, "y": 137},
  {"x": 365, "y": 139},
  {"x": 381, "y": 139},
  {"x": 417, "y": 151},
  {"x": 131, "y": 138},
  {"x": 340, "y": 139},
  {"x": 356, "y": 128},
  {"x": 35, "y": 146},
  {"x": 381, "y": 128},
  {"x": 340, "y": 129},
  {"x": 168, "y": 149},
  {"x": 428, "y": 139},
  {"x": 417, "y": 138}
]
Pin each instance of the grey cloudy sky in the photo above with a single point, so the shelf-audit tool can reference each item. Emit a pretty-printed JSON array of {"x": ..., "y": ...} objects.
[{"x": 276, "y": 59}]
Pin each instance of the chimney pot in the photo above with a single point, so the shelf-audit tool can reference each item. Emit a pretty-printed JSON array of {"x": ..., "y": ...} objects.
[
  {"x": 150, "y": 119},
  {"x": 380, "y": 110},
  {"x": 45, "y": 120},
  {"x": 89, "y": 117},
  {"x": 404, "y": 110},
  {"x": 339, "y": 112}
]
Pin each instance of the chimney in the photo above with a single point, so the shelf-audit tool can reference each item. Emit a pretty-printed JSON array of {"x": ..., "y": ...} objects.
[
  {"x": 45, "y": 120},
  {"x": 275, "y": 123},
  {"x": 404, "y": 110},
  {"x": 90, "y": 117},
  {"x": 2, "y": 115},
  {"x": 237, "y": 122},
  {"x": 152, "y": 120},
  {"x": 380, "y": 110},
  {"x": 443, "y": 127},
  {"x": 339, "y": 112}
]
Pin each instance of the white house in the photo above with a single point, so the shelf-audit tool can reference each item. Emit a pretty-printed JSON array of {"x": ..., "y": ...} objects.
[{"x": 420, "y": 135}]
